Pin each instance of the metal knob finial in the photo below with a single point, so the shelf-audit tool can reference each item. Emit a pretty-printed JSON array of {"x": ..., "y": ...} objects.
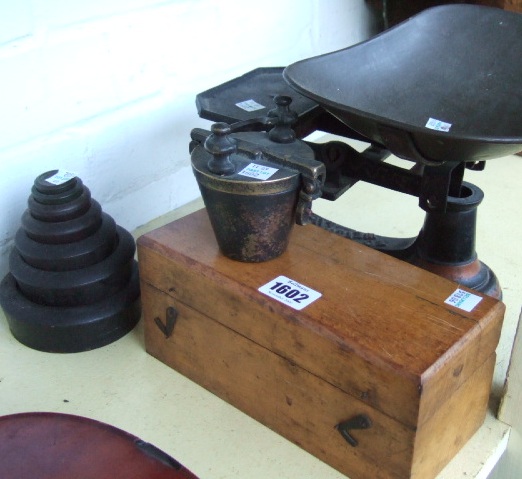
[
  {"x": 220, "y": 145},
  {"x": 284, "y": 119}
]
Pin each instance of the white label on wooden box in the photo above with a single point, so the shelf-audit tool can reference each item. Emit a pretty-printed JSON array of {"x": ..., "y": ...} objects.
[
  {"x": 290, "y": 292},
  {"x": 463, "y": 300}
]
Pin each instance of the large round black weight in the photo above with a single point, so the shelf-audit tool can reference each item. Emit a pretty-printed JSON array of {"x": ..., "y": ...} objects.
[
  {"x": 62, "y": 211},
  {"x": 63, "y": 231},
  {"x": 81, "y": 286},
  {"x": 69, "y": 256},
  {"x": 71, "y": 329}
]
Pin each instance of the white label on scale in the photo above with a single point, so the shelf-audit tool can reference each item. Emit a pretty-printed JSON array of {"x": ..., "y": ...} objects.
[
  {"x": 438, "y": 125},
  {"x": 249, "y": 105},
  {"x": 60, "y": 177},
  {"x": 463, "y": 300},
  {"x": 253, "y": 170},
  {"x": 290, "y": 292}
]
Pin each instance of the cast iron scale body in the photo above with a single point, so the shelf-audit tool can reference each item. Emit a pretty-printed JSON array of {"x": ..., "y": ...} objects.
[{"x": 441, "y": 90}]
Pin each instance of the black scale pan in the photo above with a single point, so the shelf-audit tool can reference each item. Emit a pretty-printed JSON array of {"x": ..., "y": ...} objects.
[{"x": 443, "y": 85}]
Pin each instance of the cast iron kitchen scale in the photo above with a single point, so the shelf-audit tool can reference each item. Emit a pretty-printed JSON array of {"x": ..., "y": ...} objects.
[
  {"x": 354, "y": 350},
  {"x": 441, "y": 90}
]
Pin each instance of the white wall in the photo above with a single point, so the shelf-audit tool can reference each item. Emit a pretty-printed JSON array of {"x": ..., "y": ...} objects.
[{"x": 106, "y": 88}]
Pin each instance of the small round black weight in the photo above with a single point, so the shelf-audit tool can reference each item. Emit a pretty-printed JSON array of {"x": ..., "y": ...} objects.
[
  {"x": 63, "y": 231},
  {"x": 42, "y": 185},
  {"x": 68, "y": 256},
  {"x": 80, "y": 286},
  {"x": 58, "y": 195},
  {"x": 71, "y": 329},
  {"x": 60, "y": 212}
]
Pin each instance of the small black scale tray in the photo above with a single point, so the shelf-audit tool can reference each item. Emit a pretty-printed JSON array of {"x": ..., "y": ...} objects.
[{"x": 261, "y": 86}]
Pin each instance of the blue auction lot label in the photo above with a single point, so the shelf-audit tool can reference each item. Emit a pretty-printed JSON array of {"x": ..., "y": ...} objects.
[
  {"x": 290, "y": 292},
  {"x": 463, "y": 300}
]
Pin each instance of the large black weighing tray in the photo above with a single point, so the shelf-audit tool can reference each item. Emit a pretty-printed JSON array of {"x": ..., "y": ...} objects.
[{"x": 443, "y": 85}]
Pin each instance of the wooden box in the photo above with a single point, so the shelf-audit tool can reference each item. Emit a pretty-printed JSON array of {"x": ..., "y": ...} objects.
[{"x": 379, "y": 344}]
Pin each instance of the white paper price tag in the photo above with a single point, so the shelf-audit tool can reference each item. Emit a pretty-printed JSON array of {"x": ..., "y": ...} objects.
[
  {"x": 290, "y": 292},
  {"x": 438, "y": 125},
  {"x": 249, "y": 105},
  {"x": 60, "y": 177},
  {"x": 463, "y": 300},
  {"x": 253, "y": 170}
]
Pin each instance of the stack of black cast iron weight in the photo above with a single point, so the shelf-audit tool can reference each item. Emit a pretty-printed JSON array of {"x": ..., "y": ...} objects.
[{"x": 73, "y": 283}]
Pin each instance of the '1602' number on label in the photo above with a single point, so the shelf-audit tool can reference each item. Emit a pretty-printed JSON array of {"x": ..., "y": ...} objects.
[
  {"x": 294, "y": 294},
  {"x": 290, "y": 292}
]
